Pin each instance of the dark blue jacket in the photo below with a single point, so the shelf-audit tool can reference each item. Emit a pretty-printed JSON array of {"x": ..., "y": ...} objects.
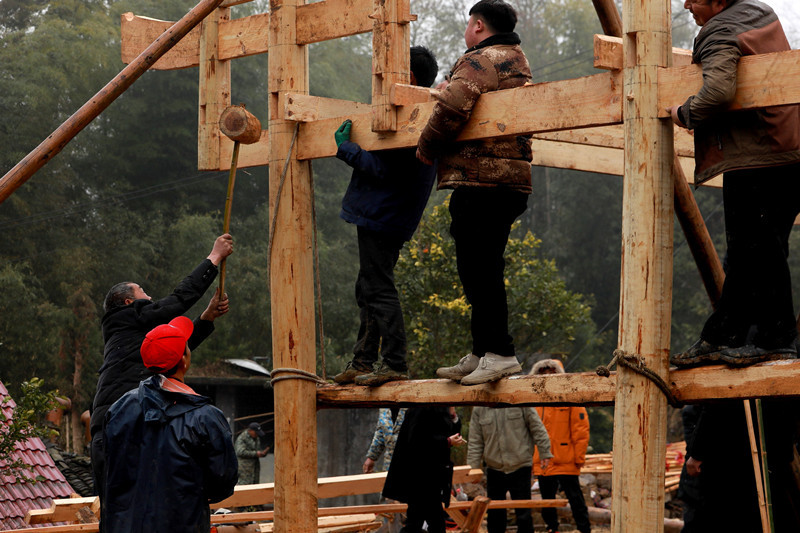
[
  {"x": 388, "y": 190},
  {"x": 169, "y": 455}
]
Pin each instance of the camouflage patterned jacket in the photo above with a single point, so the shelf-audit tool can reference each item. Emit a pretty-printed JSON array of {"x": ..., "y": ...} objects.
[
  {"x": 247, "y": 449},
  {"x": 494, "y": 64}
]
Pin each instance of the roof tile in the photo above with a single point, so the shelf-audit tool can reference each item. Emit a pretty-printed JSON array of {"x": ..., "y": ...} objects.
[{"x": 17, "y": 498}]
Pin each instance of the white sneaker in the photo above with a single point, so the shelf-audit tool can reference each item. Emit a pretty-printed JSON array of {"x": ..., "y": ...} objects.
[
  {"x": 491, "y": 368},
  {"x": 464, "y": 367}
]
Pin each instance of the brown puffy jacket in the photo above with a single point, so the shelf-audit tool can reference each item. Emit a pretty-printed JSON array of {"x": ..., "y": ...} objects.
[
  {"x": 733, "y": 140},
  {"x": 494, "y": 64}
]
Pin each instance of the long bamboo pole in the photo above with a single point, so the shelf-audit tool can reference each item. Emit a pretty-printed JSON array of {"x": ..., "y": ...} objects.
[
  {"x": 57, "y": 140},
  {"x": 762, "y": 438},
  {"x": 646, "y": 294},
  {"x": 762, "y": 504}
]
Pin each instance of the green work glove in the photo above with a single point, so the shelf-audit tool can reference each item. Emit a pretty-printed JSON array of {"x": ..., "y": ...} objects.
[{"x": 343, "y": 133}]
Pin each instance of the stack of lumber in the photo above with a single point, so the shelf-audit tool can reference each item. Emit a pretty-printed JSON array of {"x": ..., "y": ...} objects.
[{"x": 599, "y": 463}]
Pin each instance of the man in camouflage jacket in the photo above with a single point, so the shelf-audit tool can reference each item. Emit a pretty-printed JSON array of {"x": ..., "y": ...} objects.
[
  {"x": 249, "y": 452},
  {"x": 491, "y": 181}
]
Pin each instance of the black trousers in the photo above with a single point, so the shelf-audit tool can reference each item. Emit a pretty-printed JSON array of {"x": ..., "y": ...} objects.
[
  {"x": 382, "y": 327},
  {"x": 548, "y": 486},
  {"x": 518, "y": 484},
  {"x": 424, "y": 510},
  {"x": 760, "y": 209},
  {"x": 98, "y": 455},
  {"x": 481, "y": 222}
]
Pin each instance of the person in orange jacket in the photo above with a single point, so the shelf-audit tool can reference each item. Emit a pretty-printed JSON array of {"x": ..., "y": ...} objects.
[{"x": 568, "y": 429}]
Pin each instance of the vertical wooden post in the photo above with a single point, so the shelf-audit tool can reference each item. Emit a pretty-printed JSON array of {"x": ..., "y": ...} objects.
[
  {"x": 291, "y": 283},
  {"x": 646, "y": 295},
  {"x": 215, "y": 91},
  {"x": 391, "y": 39}
]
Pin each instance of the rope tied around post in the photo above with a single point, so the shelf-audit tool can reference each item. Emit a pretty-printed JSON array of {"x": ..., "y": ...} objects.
[
  {"x": 294, "y": 373},
  {"x": 636, "y": 363}
]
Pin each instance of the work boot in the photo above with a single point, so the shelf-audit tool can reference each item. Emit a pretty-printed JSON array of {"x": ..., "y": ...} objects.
[
  {"x": 351, "y": 372},
  {"x": 750, "y": 354},
  {"x": 463, "y": 368},
  {"x": 491, "y": 368},
  {"x": 384, "y": 374},
  {"x": 700, "y": 353}
]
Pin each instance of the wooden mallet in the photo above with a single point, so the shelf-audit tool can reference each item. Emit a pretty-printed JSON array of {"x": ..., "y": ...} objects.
[{"x": 240, "y": 126}]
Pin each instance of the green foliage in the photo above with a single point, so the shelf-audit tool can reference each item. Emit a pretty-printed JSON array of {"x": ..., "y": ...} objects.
[
  {"x": 25, "y": 422},
  {"x": 544, "y": 316}
]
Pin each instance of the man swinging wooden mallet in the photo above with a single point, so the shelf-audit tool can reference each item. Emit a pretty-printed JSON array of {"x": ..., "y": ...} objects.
[{"x": 242, "y": 127}]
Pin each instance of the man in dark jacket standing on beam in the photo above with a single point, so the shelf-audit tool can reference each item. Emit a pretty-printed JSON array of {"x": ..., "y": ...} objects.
[
  {"x": 129, "y": 314},
  {"x": 758, "y": 150},
  {"x": 491, "y": 181},
  {"x": 169, "y": 452}
]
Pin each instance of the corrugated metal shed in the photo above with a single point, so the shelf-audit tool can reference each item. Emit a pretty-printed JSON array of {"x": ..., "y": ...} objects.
[{"x": 17, "y": 498}]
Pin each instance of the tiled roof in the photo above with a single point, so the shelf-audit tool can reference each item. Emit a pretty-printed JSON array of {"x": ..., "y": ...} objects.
[{"x": 16, "y": 498}]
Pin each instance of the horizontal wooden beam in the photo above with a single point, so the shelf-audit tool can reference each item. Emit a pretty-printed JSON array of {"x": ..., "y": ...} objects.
[
  {"x": 386, "y": 508},
  {"x": 608, "y": 54},
  {"x": 137, "y": 33},
  {"x": 591, "y": 158},
  {"x": 332, "y": 487},
  {"x": 93, "y": 527},
  {"x": 776, "y": 379},
  {"x": 307, "y": 108},
  {"x": 762, "y": 80},
  {"x": 332, "y": 19},
  {"x": 246, "y": 36},
  {"x": 592, "y": 100},
  {"x": 62, "y": 510},
  {"x": 613, "y": 137}
]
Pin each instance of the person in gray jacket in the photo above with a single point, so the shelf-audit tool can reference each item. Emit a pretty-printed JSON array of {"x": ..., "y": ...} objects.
[
  {"x": 504, "y": 438},
  {"x": 758, "y": 150}
]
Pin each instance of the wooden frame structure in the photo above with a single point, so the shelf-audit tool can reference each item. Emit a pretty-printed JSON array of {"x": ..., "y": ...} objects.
[{"x": 617, "y": 124}]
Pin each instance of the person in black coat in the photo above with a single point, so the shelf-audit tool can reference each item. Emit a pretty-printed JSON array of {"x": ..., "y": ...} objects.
[
  {"x": 421, "y": 472},
  {"x": 129, "y": 314}
]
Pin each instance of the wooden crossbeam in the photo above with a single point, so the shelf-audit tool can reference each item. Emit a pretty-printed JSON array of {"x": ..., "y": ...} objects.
[
  {"x": 246, "y": 36},
  {"x": 342, "y": 523},
  {"x": 592, "y": 101},
  {"x": 387, "y": 508},
  {"x": 332, "y": 487},
  {"x": 62, "y": 510},
  {"x": 93, "y": 527},
  {"x": 776, "y": 379},
  {"x": 762, "y": 80},
  {"x": 608, "y": 54},
  {"x": 137, "y": 32}
]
